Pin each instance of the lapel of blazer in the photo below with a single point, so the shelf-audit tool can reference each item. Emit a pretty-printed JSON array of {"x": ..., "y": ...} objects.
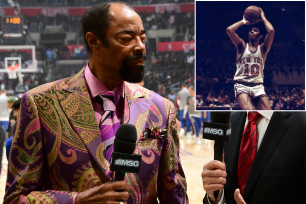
[
  {"x": 131, "y": 93},
  {"x": 231, "y": 156},
  {"x": 140, "y": 105},
  {"x": 275, "y": 131},
  {"x": 75, "y": 101}
]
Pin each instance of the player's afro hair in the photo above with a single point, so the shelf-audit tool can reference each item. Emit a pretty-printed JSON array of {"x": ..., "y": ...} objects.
[{"x": 260, "y": 26}]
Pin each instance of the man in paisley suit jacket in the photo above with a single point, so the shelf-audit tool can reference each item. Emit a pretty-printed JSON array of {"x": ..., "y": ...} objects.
[{"x": 57, "y": 154}]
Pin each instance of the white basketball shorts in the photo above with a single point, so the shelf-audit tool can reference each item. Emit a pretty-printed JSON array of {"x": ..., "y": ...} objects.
[{"x": 253, "y": 91}]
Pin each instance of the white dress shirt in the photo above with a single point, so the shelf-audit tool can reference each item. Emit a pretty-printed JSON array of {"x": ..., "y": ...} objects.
[{"x": 261, "y": 124}]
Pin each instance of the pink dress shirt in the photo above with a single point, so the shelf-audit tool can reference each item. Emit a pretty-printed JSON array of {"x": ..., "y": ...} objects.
[{"x": 96, "y": 88}]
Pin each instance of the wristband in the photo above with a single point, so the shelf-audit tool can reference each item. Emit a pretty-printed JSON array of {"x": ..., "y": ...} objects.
[
  {"x": 74, "y": 197},
  {"x": 244, "y": 21}
]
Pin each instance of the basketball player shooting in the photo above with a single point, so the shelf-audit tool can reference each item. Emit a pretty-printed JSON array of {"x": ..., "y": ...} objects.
[{"x": 250, "y": 62}]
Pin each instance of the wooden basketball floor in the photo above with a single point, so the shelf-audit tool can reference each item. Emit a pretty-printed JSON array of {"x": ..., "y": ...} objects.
[
  {"x": 193, "y": 158},
  {"x": 3, "y": 175}
]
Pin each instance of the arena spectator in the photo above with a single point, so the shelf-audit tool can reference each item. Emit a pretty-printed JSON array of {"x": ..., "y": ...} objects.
[
  {"x": 11, "y": 121},
  {"x": 16, "y": 111},
  {"x": 4, "y": 109},
  {"x": 279, "y": 105},
  {"x": 2, "y": 139},
  {"x": 183, "y": 94},
  {"x": 171, "y": 97},
  {"x": 49, "y": 55}
]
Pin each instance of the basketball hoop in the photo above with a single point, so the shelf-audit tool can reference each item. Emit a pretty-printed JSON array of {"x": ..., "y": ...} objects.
[{"x": 14, "y": 66}]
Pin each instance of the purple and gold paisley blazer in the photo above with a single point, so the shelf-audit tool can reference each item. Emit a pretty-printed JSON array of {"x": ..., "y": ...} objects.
[{"x": 57, "y": 148}]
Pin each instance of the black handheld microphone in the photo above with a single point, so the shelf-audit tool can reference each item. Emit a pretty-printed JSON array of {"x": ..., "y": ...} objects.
[
  {"x": 218, "y": 129},
  {"x": 123, "y": 159}
]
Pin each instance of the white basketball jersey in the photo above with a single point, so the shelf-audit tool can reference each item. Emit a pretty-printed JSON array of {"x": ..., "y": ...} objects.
[{"x": 250, "y": 67}]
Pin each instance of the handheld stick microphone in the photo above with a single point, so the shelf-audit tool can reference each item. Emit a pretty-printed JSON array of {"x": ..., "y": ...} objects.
[
  {"x": 123, "y": 159},
  {"x": 218, "y": 129}
]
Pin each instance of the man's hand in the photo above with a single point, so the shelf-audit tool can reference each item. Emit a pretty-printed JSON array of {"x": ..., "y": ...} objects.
[
  {"x": 111, "y": 193},
  {"x": 262, "y": 14},
  {"x": 247, "y": 22},
  {"x": 184, "y": 116},
  {"x": 214, "y": 178},
  {"x": 238, "y": 197}
]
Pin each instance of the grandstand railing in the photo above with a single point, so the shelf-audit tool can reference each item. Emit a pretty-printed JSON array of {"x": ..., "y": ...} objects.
[{"x": 175, "y": 87}]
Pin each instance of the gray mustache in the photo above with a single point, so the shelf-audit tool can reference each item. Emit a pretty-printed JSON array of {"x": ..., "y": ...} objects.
[{"x": 136, "y": 57}]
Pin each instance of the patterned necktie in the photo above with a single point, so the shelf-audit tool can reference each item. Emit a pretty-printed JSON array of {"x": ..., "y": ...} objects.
[
  {"x": 248, "y": 149},
  {"x": 109, "y": 122}
]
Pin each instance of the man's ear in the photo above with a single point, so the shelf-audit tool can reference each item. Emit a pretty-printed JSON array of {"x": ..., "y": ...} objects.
[{"x": 92, "y": 41}]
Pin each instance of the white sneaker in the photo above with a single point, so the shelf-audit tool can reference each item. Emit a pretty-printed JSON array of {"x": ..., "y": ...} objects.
[
  {"x": 182, "y": 132},
  {"x": 199, "y": 141},
  {"x": 188, "y": 135}
]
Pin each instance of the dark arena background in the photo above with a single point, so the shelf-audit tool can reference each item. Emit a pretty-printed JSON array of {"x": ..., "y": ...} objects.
[
  {"x": 53, "y": 27},
  {"x": 284, "y": 72}
]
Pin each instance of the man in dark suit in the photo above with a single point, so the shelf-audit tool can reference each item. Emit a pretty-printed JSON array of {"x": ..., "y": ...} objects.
[{"x": 278, "y": 171}]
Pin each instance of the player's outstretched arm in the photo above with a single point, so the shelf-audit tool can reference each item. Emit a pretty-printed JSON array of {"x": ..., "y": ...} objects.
[
  {"x": 269, "y": 37},
  {"x": 231, "y": 32}
]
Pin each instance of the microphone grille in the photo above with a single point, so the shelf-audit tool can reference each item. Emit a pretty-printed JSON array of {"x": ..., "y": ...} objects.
[
  {"x": 127, "y": 132},
  {"x": 220, "y": 117},
  {"x": 125, "y": 140}
]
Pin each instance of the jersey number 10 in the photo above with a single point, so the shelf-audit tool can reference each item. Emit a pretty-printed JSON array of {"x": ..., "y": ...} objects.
[{"x": 254, "y": 70}]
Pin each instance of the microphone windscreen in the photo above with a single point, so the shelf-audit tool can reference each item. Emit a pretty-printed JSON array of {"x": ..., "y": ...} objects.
[
  {"x": 125, "y": 140},
  {"x": 220, "y": 117}
]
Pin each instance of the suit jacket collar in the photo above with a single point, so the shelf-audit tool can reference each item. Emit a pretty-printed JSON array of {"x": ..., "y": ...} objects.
[
  {"x": 74, "y": 98},
  {"x": 275, "y": 131}
]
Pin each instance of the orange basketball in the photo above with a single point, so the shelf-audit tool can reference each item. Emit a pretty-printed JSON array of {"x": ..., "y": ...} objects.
[{"x": 252, "y": 14}]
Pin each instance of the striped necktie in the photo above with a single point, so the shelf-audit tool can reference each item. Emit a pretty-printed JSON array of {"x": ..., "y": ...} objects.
[
  {"x": 109, "y": 123},
  {"x": 248, "y": 150}
]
